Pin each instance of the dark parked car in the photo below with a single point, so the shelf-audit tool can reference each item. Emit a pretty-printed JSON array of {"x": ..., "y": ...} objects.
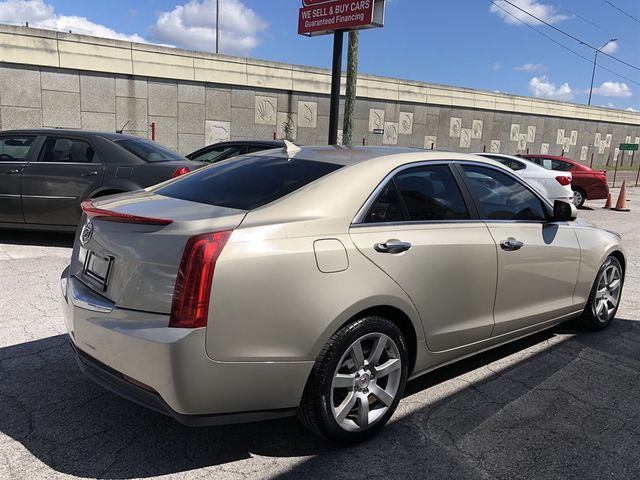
[
  {"x": 223, "y": 150},
  {"x": 46, "y": 174},
  {"x": 586, "y": 183}
]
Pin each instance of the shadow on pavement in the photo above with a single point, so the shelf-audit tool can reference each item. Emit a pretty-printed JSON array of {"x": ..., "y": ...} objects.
[
  {"x": 558, "y": 405},
  {"x": 44, "y": 239}
]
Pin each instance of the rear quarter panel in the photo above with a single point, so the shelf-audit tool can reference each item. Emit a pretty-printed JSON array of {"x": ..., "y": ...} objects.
[
  {"x": 271, "y": 302},
  {"x": 595, "y": 246},
  {"x": 596, "y": 189}
]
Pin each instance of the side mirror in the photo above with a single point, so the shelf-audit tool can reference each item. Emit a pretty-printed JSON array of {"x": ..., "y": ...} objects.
[{"x": 564, "y": 211}]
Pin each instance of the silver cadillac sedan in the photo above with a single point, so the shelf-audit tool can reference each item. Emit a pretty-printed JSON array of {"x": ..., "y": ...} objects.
[{"x": 318, "y": 280}]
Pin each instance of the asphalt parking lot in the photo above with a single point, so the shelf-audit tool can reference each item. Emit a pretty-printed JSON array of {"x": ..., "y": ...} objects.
[{"x": 562, "y": 404}]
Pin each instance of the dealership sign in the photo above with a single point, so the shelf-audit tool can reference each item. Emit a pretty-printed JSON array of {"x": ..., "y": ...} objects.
[{"x": 319, "y": 17}]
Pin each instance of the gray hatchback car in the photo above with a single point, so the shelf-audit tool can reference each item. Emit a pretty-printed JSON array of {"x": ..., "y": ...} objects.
[{"x": 46, "y": 174}]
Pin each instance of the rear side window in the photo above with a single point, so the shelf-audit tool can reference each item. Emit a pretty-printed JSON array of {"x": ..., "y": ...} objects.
[
  {"x": 217, "y": 154},
  {"x": 248, "y": 182},
  {"x": 560, "y": 165},
  {"x": 387, "y": 207},
  {"x": 431, "y": 193},
  {"x": 148, "y": 151},
  {"x": 509, "y": 162},
  {"x": 260, "y": 148},
  {"x": 15, "y": 148},
  {"x": 58, "y": 149},
  {"x": 427, "y": 193}
]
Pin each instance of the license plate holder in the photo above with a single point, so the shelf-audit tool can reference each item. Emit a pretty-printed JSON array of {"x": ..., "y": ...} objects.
[{"x": 97, "y": 268}]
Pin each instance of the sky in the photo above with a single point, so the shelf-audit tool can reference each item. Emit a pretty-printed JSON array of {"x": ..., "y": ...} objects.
[{"x": 467, "y": 43}]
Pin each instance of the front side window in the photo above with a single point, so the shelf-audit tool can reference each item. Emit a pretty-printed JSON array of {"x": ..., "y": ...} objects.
[
  {"x": 502, "y": 197},
  {"x": 15, "y": 149},
  {"x": 428, "y": 193},
  {"x": 57, "y": 149}
]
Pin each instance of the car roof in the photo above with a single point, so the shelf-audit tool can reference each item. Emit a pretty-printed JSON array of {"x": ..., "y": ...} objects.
[
  {"x": 348, "y": 155},
  {"x": 71, "y": 132}
]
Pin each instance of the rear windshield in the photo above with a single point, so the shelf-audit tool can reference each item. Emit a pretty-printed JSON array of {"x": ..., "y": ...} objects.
[
  {"x": 248, "y": 182},
  {"x": 148, "y": 151}
]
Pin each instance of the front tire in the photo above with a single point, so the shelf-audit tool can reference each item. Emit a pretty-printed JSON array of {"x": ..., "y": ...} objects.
[
  {"x": 356, "y": 382},
  {"x": 604, "y": 299}
]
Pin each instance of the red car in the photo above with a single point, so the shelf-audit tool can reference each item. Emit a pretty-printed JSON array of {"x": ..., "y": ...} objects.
[{"x": 586, "y": 183}]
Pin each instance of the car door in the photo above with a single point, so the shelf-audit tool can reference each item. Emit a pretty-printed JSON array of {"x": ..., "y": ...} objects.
[
  {"x": 15, "y": 152},
  {"x": 538, "y": 260},
  {"x": 419, "y": 229},
  {"x": 67, "y": 171}
]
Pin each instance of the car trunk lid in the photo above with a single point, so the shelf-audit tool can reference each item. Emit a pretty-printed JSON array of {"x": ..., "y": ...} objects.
[{"x": 129, "y": 246}]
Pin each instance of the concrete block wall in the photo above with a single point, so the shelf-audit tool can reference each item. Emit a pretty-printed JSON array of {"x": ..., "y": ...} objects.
[{"x": 196, "y": 98}]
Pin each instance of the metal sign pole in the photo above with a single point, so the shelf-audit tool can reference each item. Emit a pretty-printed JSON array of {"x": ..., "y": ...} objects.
[
  {"x": 336, "y": 74},
  {"x": 615, "y": 171}
]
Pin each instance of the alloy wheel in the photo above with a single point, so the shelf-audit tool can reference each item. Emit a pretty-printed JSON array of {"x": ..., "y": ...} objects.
[
  {"x": 577, "y": 198},
  {"x": 608, "y": 293},
  {"x": 366, "y": 382}
]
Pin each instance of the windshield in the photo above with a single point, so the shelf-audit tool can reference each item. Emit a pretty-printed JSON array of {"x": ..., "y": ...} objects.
[
  {"x": 148, "y": 151},
  {"x": 247, "y": 182}
]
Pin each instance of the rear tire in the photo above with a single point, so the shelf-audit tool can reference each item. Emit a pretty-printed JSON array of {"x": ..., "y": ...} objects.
[
  {"x": 579, "y": 197},
  {"x": 356, "y": 382},
  {"x": 604, "y": 299}
]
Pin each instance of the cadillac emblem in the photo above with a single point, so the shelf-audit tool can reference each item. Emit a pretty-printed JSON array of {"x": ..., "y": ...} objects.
[{"x": 86, "y": 233}]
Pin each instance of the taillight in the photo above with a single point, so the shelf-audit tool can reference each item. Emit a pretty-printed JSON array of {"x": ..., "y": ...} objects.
[
  {"x": 180, "y": 171},
  {"x": 190, "y": 306},
  {"x": 564, "y": 181},
  {"x": 111, "y": 216}
]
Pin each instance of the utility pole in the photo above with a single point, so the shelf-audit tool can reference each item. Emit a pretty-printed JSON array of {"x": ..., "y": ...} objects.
[
  {"x": 595, "y": 60},
  {"x": 217, "y": 26},
  {"x": 352, "y": 80}
]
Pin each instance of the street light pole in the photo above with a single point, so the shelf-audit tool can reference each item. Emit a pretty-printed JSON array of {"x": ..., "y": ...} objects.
[
  {"x": 217, "y": 26},
  {"x": 595, "y": 60},
  {"x": 593, "y": 74}
]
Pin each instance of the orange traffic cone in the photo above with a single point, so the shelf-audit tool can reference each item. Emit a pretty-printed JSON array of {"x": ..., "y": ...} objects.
[
  {"x": 607, "y": 204},
  {"x": 621, "y": 204}
]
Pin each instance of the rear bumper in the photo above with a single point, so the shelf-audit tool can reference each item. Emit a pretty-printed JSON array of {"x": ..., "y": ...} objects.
[
  {"x": 136, "y": 355},
  {"x": 117, "y": 383},
  {"x": 598, "y": 193},
  {"x": 594, "y": 188}
]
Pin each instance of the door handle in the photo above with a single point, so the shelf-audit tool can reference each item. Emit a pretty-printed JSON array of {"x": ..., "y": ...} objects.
[
  {"x": 392, "y": 246},
  {"x": 511, "y": 244},
  {"x": 90, "y": 173},
  {"x": 13, "y": 171}
]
